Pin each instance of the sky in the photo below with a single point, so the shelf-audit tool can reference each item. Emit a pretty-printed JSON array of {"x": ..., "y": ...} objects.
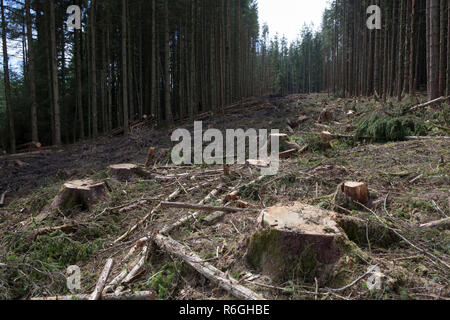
[{"x": 288, "y": 16}]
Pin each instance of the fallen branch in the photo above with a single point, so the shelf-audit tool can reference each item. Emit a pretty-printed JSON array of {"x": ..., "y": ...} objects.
[
  {"x": 370, "y": 271},
  {"x": 426, "y": 138},
  {"x": 102, "y": 280},
  {"x": 424, "y": 105},
  {"x": 67, "y": 228},
  {"x": 430, "y": 256},
  {"x": 142, "y": 295},
  {"x": 207, "y": 270},
  {"x": 195, "y": 215},
  {"x": 133, "y": 228},
  {"x": 444, "y": 223},
  {"x": 130, "y": 271},
  {"x": 135, "y": 271},
  {"x": 181, "y": 205}
]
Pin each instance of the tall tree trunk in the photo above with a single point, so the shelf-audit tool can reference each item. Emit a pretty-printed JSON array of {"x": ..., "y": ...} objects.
[
  {"x": 79, "y": 79},
  {"x": 12, "y": 134},
  {"x": 434, "y": 49},
  {"x": 94, "y": 69},
  {"x": 126, "y": 125},
  {"x": 167, "y": 79},
  {"x": 55, "y": 84},
  {"x": 443, "y": 48},
  {"x": 32, "y": 74}
]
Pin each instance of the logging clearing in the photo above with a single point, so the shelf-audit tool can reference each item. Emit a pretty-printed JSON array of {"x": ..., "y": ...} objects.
[{"x": 361, "y": 186}]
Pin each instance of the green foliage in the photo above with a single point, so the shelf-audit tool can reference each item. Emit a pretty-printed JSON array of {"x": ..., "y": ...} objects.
[
  {"x": 165, "y": 281},
  {"x": 33, "y": 266},
  {"x": 383, "y": 128}
]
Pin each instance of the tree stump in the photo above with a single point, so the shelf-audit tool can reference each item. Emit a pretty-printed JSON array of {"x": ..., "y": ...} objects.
[
  {"x": 285, "y": 143},
  {"x": 125, "y": 172},
  {"x": 298, "y": 240},
  {"x": 150, "y": 157},
  {"x": 356, "y": 191},
  {"x": 326, "y": 136},
  {"x": 82, "y": 194},
  {"x": 325, "y": 116}
]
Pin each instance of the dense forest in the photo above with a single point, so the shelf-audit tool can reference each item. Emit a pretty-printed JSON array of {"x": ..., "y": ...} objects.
[{"x": 172, "y": 60}]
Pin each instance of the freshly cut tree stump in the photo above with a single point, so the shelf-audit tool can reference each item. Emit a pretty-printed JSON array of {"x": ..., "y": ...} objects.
[
  {"x": 79, "y": 193},
  {"x": 297, "y": 241},
  {"x": 126, "y": 171},
  {"x": 356, "y": 191}
]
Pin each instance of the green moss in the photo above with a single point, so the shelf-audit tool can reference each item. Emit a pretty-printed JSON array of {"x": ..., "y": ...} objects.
[
  {"x": 265, "y": 254},
  {"x": 261, "y": 243}
]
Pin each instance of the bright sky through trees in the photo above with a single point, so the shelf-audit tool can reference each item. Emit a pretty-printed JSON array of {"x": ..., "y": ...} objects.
[{"x": 288, "y": 16}]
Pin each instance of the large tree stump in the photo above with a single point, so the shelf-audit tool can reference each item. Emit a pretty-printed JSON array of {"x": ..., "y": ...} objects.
[
  {"x": 356, "y": 191},
  {"x": 82, "y": 194},
  {"x": 125, "y": 172},
  {"x": 297, "y": 241}
]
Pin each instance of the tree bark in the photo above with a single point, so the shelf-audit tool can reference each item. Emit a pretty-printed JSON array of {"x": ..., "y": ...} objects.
[
  {"x": 12, "y": 134},
  {"x": 31, "y": 74},
  {"x": 126, "y": 124},
  {"x": 55, "y": 82}
]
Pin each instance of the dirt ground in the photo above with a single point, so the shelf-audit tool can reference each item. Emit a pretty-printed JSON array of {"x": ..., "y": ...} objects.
[{"x": 408, "y": 180}]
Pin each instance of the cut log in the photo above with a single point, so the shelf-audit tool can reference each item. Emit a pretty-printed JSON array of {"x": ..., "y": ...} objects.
[
  {"x": 351, "y": 114},
  {"x": 102, "y": 280},
  {"x": 356, "y": 191},
  {"x": 440, "y": 224},
  {"x": 258, "y": 163},
  {"x": 126, "y": 172},
  {"x": 233, "y": 196},
  {"x": 150, "y": 156},
  {"x": 207, "y": 270},
  {"x": 30, "y": 146},
  {"x": 242, "y": 204},
  {"x": 142, "y": 295},
  {"x": 298, "y": 240},
  {"x": 83, "y": 194}
]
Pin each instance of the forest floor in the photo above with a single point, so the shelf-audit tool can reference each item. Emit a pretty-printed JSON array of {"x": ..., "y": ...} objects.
[{"x": 408, "y": 180}]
